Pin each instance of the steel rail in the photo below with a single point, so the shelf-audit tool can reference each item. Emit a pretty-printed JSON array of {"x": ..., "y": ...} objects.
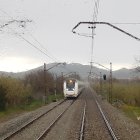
[
  {"x": 45, "y": 132},
  {"x": 32, "y": 121},
  {"x": 107, "y": 123},
  {"x": 83, "y": 124}
]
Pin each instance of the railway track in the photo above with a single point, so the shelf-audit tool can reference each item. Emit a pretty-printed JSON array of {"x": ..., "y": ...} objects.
[
  {"x": 107, "y": 123},
  {"x": 81, "y": 137},
  {"x": 14, "y": 135},
  {"x": 53, "y": 123},
  {"x": 43, "y": 133},
  {"x": 112, "y": 133},
  {"x": 108, "y": 126},
  {"x": 46, "y": 131},
  {"x": 32, "y": 121}
]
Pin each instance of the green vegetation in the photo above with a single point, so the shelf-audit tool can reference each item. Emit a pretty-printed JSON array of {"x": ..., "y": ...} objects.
[
  {"x": 34, "y": 104},
  {"x": 131, "y": 111},
  {"x": 2, "y": 98},
  {"x": 125, "y": 95},
  {"x": 15, "y": 110},
  {"x": 126, "y": 91},
  {"x": 129, "y": 93},
  {"x": 53, "y": 98},
  {"x": 17, "y": 96},
  {"x": 12, "y": 92}
]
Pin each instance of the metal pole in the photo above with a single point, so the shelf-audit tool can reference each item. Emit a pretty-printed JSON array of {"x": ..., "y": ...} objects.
[
  {"x": 100, "y": 83},
  {"x": 55, "y": 86},
  {"x": 45, "y": 90},
  {"x": 111, "y": 82},
  {"x": 62, "y": 81},
  {"x": 62, "y": 76},
  {"x": 75, "y": 75}
]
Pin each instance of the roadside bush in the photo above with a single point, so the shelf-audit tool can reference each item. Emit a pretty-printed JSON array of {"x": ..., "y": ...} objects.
[
  {"x": 129, "y": 93},
  {"x": 2, "y": 98},
  {"x": 123, "y": 90},
  {"x": 15, "y": 92},
  {"x": 38, "y": 83}
]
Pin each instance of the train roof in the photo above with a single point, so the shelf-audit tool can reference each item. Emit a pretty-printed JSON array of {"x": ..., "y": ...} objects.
[{"x": 70, "y": 79}]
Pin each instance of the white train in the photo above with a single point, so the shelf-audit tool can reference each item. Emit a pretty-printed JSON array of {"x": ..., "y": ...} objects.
[{"x": 71, "y": 88}]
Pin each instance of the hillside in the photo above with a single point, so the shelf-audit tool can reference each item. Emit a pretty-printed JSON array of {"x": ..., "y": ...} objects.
[{"x": 82, "y": 70}]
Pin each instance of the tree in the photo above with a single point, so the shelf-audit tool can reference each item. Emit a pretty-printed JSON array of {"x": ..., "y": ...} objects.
[
  {"x": 137, "y": 64},
  {"x": 13, "y": 91},
  {"x": 2, "y": 98},
  {"x": 38, "y": 81}
]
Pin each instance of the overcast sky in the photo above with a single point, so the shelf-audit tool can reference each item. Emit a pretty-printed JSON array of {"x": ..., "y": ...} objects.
[{"x": 52, "y": 22}]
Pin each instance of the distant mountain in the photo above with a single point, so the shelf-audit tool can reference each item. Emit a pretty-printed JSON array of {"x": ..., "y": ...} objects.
[
  {"x": 122, "y": 73},
  {"x": 19, "y": 75},
  {"x": 82, "y": 70},
  {"x": 126, "y": 73}
]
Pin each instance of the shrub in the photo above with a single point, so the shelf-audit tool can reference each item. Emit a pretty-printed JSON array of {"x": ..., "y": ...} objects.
[
  {"x": 123, "y": 90},
  {"x": 14, "y": 91},
  {"x": 2, "y": 98}
]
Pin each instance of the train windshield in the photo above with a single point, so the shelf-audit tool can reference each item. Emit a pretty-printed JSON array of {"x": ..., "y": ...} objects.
[{"x": 70, "y": 84}]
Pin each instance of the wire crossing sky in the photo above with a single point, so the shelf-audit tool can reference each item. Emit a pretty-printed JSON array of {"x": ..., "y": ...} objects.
[{"x": 50, "y": 32}]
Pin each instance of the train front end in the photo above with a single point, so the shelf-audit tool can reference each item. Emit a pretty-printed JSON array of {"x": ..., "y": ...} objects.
[{"x": 70, "y": 88}]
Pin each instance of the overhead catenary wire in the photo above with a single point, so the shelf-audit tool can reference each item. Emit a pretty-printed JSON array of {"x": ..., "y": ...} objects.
[
  {"x": 96, "y": 10},
  {"x": 26, "y": 40},
  {"x": 12, "y": 20},
  {"x": 44, "y": 51},
  {"x": 6, "y": 14},
  {"x": 130, "y": 23},
  {"x": 35, "y": 47}
]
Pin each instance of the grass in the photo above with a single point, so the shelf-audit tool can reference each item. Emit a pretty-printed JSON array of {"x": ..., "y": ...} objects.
[
  {"x": 53, "y": 98},
  {"x": 131, "y": 111},
  {"x": 14, "y": 111},
  {"x": 127, "y": 93}
]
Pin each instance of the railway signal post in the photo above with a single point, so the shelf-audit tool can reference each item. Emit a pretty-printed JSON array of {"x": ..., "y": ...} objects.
[{"x": 45, "y": 88}]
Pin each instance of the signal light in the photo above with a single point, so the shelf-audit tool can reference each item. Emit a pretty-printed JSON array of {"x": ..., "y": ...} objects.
[{"x": 104, "y": 77}]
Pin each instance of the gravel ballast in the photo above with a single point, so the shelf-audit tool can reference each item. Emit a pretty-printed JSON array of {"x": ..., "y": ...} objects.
[
  {"x": 6, "y": 128},
  {"x": 68, "y": 127}
]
